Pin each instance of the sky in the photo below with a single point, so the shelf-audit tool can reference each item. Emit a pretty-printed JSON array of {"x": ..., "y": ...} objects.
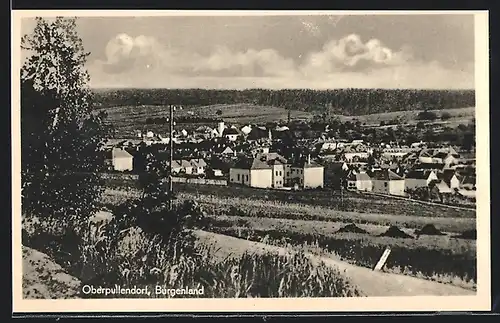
[{"x": 276, "y": 52}]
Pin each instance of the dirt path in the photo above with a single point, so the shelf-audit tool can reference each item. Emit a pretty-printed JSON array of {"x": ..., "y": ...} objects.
[{"x": 370, "y": 282}]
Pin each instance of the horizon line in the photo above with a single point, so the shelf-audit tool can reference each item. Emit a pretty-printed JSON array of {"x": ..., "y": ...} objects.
[{"x": 282, "y": 89}]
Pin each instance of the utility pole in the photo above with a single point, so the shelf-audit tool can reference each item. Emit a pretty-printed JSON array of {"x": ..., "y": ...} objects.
[{"x": 171, "y": 142}]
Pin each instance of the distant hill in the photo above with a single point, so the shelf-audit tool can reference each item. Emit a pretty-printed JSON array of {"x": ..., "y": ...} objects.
[
  {"x": 347, "y": 102},
  {"x": 126, "y": 119}
]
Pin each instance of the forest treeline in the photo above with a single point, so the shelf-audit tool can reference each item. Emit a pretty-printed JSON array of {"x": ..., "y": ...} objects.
[{"x": 339, "y": 101}]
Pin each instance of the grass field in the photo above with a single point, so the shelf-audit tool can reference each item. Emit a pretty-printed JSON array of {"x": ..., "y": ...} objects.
[
  {"x": 260, "y": 213},
  {"x": 323, "y": 199},
  {"x": 246, "y": 207},
  {"x": 127, "y": 118},
  {"x": 442, "y": 258},
  {"x": 457, "y": 116}
]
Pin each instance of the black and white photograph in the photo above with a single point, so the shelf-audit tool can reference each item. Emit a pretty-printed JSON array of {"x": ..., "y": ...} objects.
[{"x": 271, "y": 157}]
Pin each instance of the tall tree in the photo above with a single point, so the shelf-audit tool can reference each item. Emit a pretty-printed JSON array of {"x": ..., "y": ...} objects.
[{"x": 62, "y": 135}]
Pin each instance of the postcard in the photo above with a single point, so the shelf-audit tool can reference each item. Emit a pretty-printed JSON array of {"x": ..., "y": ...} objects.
[{"x": 250, "y": 161}]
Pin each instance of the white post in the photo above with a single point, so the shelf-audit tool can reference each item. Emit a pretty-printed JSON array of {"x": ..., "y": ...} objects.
[{"x": 383, "y": 259}]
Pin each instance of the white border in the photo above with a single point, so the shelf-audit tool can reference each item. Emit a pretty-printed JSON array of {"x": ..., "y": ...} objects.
[{"x": 482, "y": 301}]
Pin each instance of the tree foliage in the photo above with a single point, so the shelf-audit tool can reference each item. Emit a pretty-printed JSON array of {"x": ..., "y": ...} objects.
[
  {"x": 338, "y": 101},
  {"x": 61, "y": 136}
]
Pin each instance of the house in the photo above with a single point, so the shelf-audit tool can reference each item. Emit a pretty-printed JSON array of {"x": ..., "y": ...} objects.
[
  {"x": 359, "y": 181},
  {"x": 199, "y": 166},
  {"x": 120, "y": 160},
  {"x": 440, "y": 187},
  {"x": 357, "y": 152},
  {"x": 306, "y": 174},
  {"x": 387, "y": 182},
  {"x": 450, "y": 178},
  {"x": 225, "y": 151},
  {"x": 217, "y": 172},
  {"x": 246, "y": 130},
  {"x": 425, "y": 156},
  {"x": 187, "y": 167},
  {"x": 176, "y": 167},
  {"x": 445, "y": 158},
  {"x": 419, "y": 178},
  {"x": 231, "y": 134},
  {"x": 262, "y": 171}
]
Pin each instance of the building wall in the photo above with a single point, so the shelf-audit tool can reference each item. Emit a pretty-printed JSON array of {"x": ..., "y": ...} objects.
[
  {"x": 239, "y": 176},
  {"x": 454, "y": 183},
  {"x": 425, "y": 160},
  {"x": 364, "y": 185},
  {"x": 261, "y": 178},
  {"x": 278, "y": 175},
  {"x": 123, "y": 163},
  {"x": 397, "y": 187},
  {"x": 296, "y": 176},
  {"x": 313, "y": 177},
  {"x": 381, "y": 186}
]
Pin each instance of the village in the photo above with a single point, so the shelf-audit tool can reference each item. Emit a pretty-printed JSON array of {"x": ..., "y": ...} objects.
[{"x": 263, "y": 156}]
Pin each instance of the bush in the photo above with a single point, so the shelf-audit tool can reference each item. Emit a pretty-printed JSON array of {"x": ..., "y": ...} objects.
[
  {"x": 445, "y": 116},
  {"x": 427, "y": 115}
]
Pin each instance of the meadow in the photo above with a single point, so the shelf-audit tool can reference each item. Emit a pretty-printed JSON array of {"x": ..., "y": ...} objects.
[
  {"x": 457, "y": 116},
  {"x": 324, "y": 199},
  {"x": 126, "y": 119},
  {"x": 310, "y": 221},
  {"x": 443, "y": 258}
]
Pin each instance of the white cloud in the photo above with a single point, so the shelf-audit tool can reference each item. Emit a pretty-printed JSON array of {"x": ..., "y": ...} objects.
[{"x": 347, "y": 62}]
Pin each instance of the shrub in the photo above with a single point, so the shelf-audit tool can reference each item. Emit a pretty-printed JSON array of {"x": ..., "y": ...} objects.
[
  {"x": 427, "y": 115},
  {"x": 445, "y": 116}
]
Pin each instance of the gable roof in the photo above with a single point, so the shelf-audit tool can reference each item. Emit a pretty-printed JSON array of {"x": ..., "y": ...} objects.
[
  {"x": 176, "y": 164},
  {"x": 261, "y": 161},
  {"x": 442, "y": 187},
  {"x": 430, "y": 166},
  {"x": 419, "y": 174},
  {"x": 230, "y": 131},
  {"x": 306, "y": 164},
  {"x": 386, "y": 175},
  {"x": 447, "y": 175},
  {"x": 198, "y": 162}
]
